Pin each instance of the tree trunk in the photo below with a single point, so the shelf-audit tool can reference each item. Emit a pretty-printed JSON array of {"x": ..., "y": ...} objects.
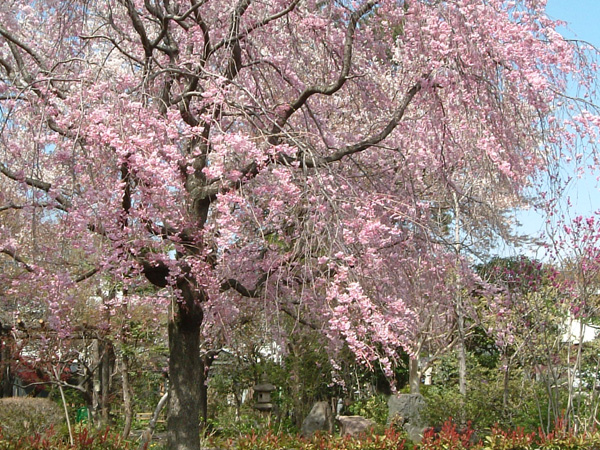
[
  {"x": 185, "y": 374},
  {"x": 127, "y": 397},
  {"x": 462, "y": 354},
  {"x": 203, "y": 399},
  {"x": 206, "y": 363},
  {"x": 147, "y": 434},
  {"x": 298, "y": 406},
  {"x": 105, "y": 371},
  {"x": 6, "y": 381},
  {"x": 505, "y": 384},
  {"x": 462, "y": 351},
  {"x": 462, "y": 363},
  {"x": 97, "y": 380},
  {"x": 414, "y": 378}
]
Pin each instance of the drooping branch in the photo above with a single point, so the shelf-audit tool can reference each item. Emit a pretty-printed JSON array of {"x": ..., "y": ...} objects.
[
  {"x": 11, "y": 206},
  {"x": 116, "y": 44},
  {"x": 19, "y": 206},
  {"x": 84, "y": 276},
  {"x": 257, "y": 291},
  {"x": 325, "y": 89},
  {"x": 251, "y": 170}
]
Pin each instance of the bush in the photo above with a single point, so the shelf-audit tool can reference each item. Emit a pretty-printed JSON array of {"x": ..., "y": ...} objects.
[
  {"x": 22, "y": 417},
  {"x": 270, "y": 441},
  {"x": 374, "y": 408},
  {"x": 84, "y": 438},
  {"x": 483, "y": 405},
  {"x": 449, "y": 437}
]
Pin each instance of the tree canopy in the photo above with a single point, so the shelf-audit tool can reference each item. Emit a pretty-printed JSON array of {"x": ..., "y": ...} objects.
[{"x": 296, "y": 157}]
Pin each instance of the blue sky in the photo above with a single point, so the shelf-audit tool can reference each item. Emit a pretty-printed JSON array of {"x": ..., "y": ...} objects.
[
  {"x": 583, "y": 22},
  {"x": 582, "y": 16}
]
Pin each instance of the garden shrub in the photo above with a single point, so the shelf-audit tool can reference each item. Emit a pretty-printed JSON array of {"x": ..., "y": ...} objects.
[
  {"x": 559, "y": 439},
  {"x": 374, "y": 408},
  {"x": 449, "y": 437},
  {"x": 22, "y": 417},
  {"x": 84, "y": 438},
  {"x": 483, "y": 405},
  {"x": 391, "y": 440}
]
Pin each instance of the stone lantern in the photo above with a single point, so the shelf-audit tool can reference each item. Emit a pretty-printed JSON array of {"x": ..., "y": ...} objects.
[{"x": 263, "y": 396}]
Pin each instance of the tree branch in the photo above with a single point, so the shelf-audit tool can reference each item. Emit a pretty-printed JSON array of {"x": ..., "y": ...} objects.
[
  {"x": 15, "y": 206},
  {"x": 84, "y": 276},
  {"x": 147, "y": 434},
  {"x": 372, "y": 140},
  {"x": 63, "y": 203},
  {"x": 139, "y": 27},
  {"x": 297, "y": 317},
  {"x": 10, "y": 37},
  {"x": 250, "y": 29},
  {"x": 241, "y": 289},
  {"x": 325, "y": 89},
  {"x": 18, "y": 259}
]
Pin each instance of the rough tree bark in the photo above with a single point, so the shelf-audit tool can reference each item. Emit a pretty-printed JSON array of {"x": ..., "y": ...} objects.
[
  {"x": 185, "y": 374},
  {"x": 106, "y": 368},
  {"x": 6, "y": 380}
]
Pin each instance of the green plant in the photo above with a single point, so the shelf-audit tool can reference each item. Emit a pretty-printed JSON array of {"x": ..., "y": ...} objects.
[{"x": 374, "y": 408}]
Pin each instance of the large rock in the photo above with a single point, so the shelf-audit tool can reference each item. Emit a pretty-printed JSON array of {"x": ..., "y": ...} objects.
[
  {"x": 406, "y": 409},
  {"x": 320, "y": 418},
  {"x": 353, "y": 425}
]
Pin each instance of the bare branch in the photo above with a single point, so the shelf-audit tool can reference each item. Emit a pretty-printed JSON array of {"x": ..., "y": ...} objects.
[
  {"x": 11, "y": 206},
  {"x": 147, "y": 434},
  {"x": 117, "y": 46},
  {"x": 188, "y": 13},
  {"x": 35, "y": 205},
  {"x": 241, "y": 289}
]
